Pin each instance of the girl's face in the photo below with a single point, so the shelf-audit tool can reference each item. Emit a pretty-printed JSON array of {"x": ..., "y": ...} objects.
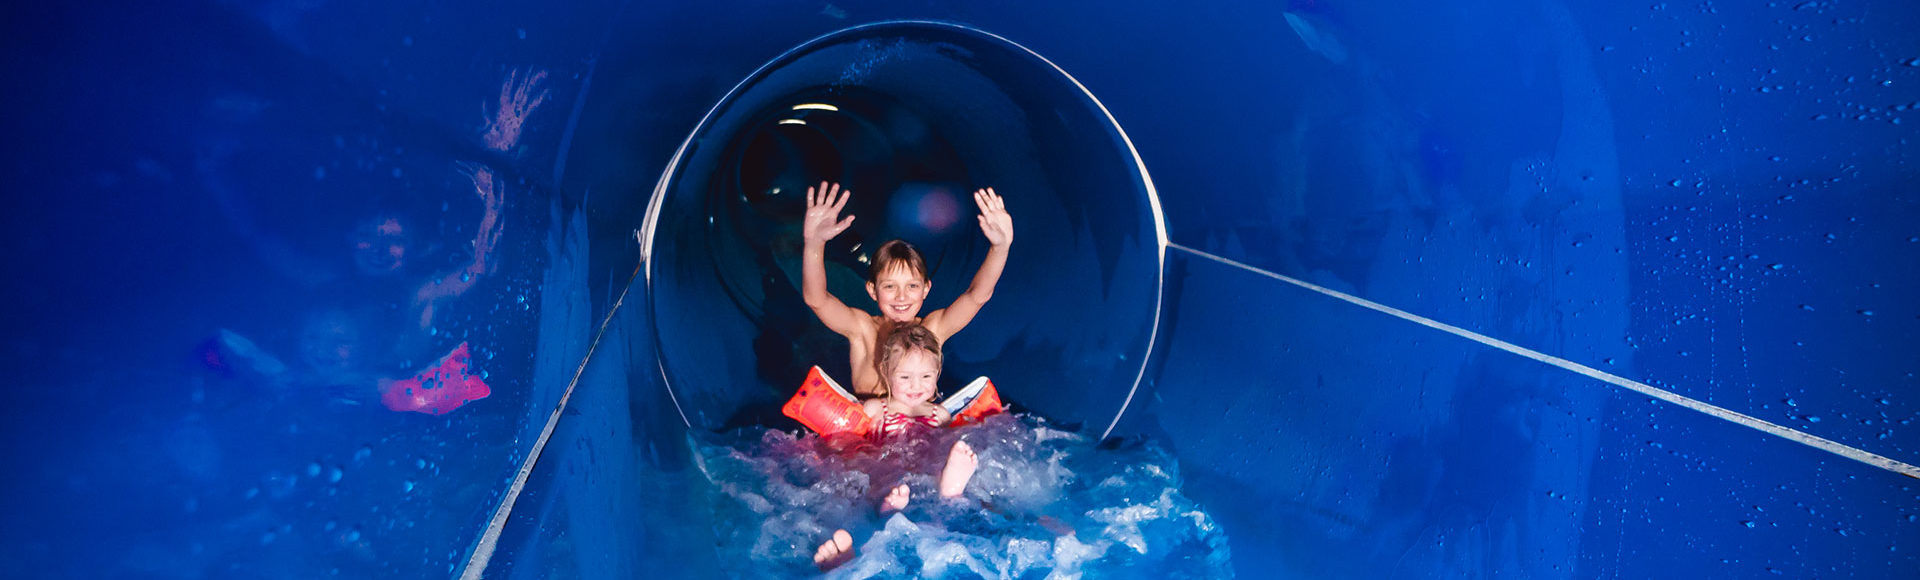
[{"x": 914, "y": 377}]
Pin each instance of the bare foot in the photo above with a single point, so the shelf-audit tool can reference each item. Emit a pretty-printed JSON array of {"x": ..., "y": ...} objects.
[
  {"x": 960, "y": 465},
  {"x": 896, "y": 500},
  {"x": 836, "y": 551}
]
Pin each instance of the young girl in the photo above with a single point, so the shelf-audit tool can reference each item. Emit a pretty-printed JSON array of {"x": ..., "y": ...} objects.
[
  {"x": 909, "y": 360},
  {"x": 896, "y": 280}
]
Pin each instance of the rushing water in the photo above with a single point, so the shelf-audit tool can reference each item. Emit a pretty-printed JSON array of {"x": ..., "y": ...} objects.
[{"x": 1045, "y": 502}]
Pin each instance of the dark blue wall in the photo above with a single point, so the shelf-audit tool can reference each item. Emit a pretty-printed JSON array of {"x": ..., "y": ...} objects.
[{"x": 1711, "y": 199}]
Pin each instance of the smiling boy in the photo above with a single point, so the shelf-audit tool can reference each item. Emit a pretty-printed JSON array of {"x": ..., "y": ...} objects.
[{"x": 896, "y": 280}]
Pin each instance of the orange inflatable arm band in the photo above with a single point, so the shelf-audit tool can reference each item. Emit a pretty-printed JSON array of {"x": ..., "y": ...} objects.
[{"x": 826, "y": 408}]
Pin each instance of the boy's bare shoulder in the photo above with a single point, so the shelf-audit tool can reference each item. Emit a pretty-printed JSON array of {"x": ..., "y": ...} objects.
[
  {"x": 864, "y": 326},
  {"x": 936, "y": 321}
]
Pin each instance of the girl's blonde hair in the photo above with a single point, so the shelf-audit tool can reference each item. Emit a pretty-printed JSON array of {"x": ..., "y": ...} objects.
[{"x": 904, "y": 338}]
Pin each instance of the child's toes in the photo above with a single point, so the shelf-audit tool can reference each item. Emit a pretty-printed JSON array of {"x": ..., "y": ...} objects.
[{"x": 897, "y": 499}]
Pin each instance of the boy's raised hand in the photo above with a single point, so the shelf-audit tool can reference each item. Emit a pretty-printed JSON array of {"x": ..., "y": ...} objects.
[
  {"x": 823, "y": 212},
  {"x": 994, "y": 220}
]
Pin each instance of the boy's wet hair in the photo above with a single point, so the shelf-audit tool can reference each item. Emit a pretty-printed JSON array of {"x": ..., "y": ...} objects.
[
  {"x": 906, "y": 337},
  {"x": 894, "y": 254}
]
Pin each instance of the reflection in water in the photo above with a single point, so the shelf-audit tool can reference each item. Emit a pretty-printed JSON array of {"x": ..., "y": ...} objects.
[{"x": 1045, "y": 501}]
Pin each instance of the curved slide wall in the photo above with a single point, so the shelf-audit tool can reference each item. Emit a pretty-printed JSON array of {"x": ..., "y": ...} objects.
[{"x": 1706, "y": 203}]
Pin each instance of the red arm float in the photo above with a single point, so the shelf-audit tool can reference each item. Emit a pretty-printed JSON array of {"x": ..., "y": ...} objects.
[
  {"x": 985, "y": 403},
  {"x": 826, "y": 408}
]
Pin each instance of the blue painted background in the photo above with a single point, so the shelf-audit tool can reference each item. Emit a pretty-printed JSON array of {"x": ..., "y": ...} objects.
[{"x": 1715, "y": 199}]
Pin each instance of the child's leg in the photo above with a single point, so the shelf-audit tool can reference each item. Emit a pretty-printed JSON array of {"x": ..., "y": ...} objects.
[{"x": 961, "y": 463}]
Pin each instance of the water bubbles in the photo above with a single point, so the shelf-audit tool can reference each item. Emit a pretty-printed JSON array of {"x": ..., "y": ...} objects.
[
  {"x": 1117, "y": 502},
  {"x": 335, "y": 475},
  {"x": 313, "y": 469}
]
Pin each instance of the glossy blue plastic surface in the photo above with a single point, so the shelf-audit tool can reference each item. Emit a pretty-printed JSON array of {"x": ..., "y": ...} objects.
[{"x": 1714, "y": 200}]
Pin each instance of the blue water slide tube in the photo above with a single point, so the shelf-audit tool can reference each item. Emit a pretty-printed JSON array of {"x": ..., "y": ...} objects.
[{"x": 1451, "y": 290}]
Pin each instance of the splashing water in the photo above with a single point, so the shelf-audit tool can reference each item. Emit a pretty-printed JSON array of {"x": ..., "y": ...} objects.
[{"x": 1043, "y": 503}]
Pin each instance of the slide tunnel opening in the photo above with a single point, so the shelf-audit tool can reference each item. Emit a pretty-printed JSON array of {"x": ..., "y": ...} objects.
[{"x": 912, "y": 117}]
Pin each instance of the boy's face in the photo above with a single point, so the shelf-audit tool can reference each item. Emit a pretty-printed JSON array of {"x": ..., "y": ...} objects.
[
  {"x": 899, "y": 291},
  {"x": 914, "y": 378}
]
